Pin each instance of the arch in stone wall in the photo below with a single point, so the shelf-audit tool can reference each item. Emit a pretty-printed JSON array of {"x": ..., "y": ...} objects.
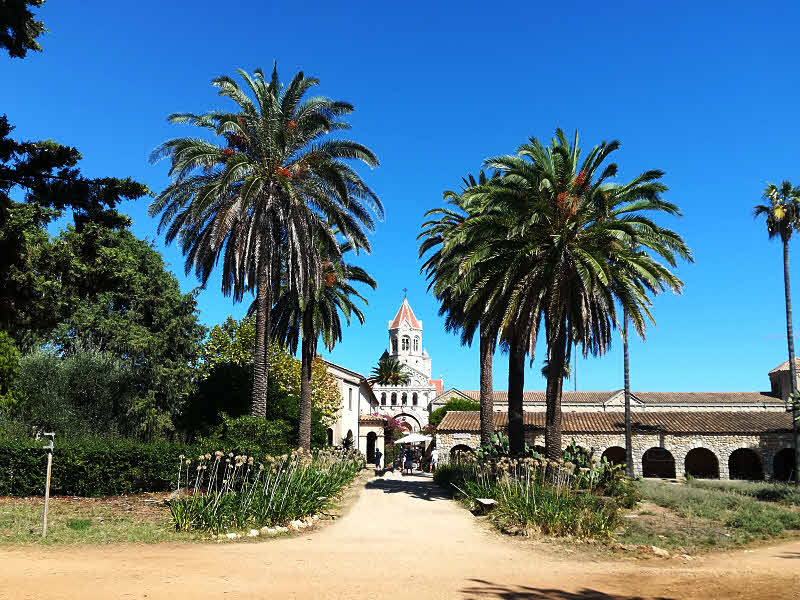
[
  {"x": 658, "y": 462},
  {"x": 615, "y": 455},
  {"x": 459, "y": 448},
  {"x": 745, "y": 463},
  {"x": 701, "y": 463},
  {"x": 783, "y": 464},
  {"x": 410, "y": 419}
]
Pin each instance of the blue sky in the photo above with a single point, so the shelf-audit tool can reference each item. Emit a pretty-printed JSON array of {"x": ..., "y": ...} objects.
[{"x": 707, "y": 92}]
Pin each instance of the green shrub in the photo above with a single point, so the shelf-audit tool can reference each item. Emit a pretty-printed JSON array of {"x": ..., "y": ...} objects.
[
  {"x": 250, "y": 435},
  {"x": 86, "y": 393},
  {"x": 90, "y": 467},
  {"x": 242, "y": 493},
  {"x": 454, "y": 404}
]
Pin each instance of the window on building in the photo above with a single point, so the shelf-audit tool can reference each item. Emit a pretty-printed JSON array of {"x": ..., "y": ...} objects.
[
  {"x": 405, "y": 343},
  {"x": 414, "y": 399},
  {"x": 350, "y": 399},
  {"x": 404, "y": 398},
  {"x": 394, "y": 346},
  {"x": 416, "y": 344},
  {"x": 383, "y": 399},
  {"x": 394, "y": 399}
]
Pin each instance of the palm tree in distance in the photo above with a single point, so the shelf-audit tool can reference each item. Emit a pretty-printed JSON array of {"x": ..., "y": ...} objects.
[
  {"x": 782, "y": 213},
  {"x": 442, "y": 268},
  {"x": 561, "y": 254},
  {"x": 389, "y": 371},
  {"x": 306, "y": 320},
  {"x": 264, "y": 193}
]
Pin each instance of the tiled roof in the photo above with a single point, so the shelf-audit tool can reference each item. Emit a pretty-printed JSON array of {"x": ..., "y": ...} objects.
[
  {"x": 371, "y": 419},
  {"x": 707, "y": 397},
  {"x": 784, "y": 366},
  {"x": 567, "y": 397},
  {"x": 614, "y": 422},
  {"x": 438, "y": 384},
  {"x": 538, "y": 396},
  {"x": 405, "y": 313}
]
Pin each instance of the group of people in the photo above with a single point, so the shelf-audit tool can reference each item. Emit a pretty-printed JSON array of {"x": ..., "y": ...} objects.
[{"x": 409, "y": 456}]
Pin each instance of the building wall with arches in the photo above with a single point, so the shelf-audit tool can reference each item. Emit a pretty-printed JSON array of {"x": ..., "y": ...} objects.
[{"x": 765, "y": 446}]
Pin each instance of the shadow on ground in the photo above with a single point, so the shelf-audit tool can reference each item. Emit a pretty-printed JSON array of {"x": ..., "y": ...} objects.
[
  {"x": 481, "y": 589},
  {"x": 416, "y": 488},
  {"x": 790, "y": 555}
]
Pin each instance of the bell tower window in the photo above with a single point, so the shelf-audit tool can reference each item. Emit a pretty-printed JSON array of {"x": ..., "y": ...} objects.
[
  {"x": 394, "y": 346},
  {"x": 416, "y": 344},
  {"x": 405, "y": 343}
]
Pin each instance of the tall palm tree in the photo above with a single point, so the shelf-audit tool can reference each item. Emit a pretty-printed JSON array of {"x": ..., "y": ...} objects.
[
  {"x": 562, "y": 254},
  {"x": 782, "y": 213},
  {"x": 389, "y": 371},
  {"x": 308, "y": 319},
  {"x": 442, "y": 268},
  {"x": 259, "y": 193}
]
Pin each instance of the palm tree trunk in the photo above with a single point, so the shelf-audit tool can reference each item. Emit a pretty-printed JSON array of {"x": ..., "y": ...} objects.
[
  {"x": 516, "y": 383},
  {"x": 258, "y": 404},
  {"x": 627, "y": 383},
  {"x": 555, "y": 382},
  {"x": 307, "y": 351},
  {"x": 792, "y": 366},
  {"x": 487, "y": 391}
]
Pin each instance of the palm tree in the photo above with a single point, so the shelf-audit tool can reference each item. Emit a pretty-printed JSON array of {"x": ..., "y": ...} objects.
[
  {"x": 257, "y": 200},
  {"x": 561, "y": 255},
  {"x": 318, "y": 315},
  {"x": 442, "y": 236},
  {"x": 389, "y": 371},
  {"x": 783, "y": 217}
]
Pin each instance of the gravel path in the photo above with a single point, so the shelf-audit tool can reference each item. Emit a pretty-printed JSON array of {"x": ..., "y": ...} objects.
[{"x": 402, "y": 540}]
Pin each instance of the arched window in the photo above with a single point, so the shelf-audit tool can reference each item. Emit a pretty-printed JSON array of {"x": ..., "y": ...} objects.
[
  {"x": 416, "y": 344},
  {"x": 405, "y": 343},
  {"x": 404, "y": 398},
  {"x": 383, "y": 399},
  {"x": 394, "y": 346},
  {"x": 394, "y": 398},
  {"x": 414, "y": 399}
]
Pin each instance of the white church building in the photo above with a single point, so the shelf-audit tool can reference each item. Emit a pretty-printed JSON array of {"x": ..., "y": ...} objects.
[{"x": 412, "y": 402}]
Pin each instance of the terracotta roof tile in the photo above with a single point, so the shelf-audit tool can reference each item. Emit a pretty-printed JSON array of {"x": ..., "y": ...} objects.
[
  {"x": 614, "y": 422},
  {"x": 784, "y": 366},
  {"x": 405, "y": 313},
  {"x": 371, "y": 419},
  {"x": 438, "y": 384},
  {"x": 538, "y": 397}
]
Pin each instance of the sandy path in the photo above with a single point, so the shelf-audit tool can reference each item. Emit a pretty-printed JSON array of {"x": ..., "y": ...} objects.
[{"x": 401, "y": 540}]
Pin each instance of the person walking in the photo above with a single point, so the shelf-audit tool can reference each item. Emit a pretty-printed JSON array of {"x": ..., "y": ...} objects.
[
  {"x": 409, "y": 464},
  {"x": 434, "y": 459},
  {"x": 378, "y": 455}
]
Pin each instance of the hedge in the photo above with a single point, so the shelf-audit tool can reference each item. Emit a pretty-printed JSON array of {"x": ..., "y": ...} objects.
[{"x": 91, "y": 468}]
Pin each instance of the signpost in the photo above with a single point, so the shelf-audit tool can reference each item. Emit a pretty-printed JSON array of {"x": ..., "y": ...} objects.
[{"x": 49, "y": 449}]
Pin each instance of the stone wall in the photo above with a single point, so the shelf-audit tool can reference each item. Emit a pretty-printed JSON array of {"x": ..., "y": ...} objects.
[{"x": 679, "y": 446}]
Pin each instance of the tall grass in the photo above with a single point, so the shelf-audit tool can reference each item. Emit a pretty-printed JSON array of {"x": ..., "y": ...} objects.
[
  {"x": 744, "y": 514},
  {"x": 536, "y": 494},
  {"x": 234, "y": 492},
  {"x": 782, "y": 493}
]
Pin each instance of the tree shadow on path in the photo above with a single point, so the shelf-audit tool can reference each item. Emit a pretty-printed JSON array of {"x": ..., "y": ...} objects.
[
  {"x": 422, "y": 489},
  {"x": 485, "y": 590}
]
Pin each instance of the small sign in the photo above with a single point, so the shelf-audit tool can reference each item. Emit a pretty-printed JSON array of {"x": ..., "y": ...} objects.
[{"x": 461, "y": 436}]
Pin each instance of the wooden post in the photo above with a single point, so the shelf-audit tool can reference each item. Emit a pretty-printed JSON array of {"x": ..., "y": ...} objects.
[{"x": 49, "y": 449}]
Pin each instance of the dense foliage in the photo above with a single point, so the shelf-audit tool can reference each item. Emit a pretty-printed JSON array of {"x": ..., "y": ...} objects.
[
  {"x": 453, "y": 404},
  {"x": 239, "y": 492},
  {"x": 89, "y": 467},
  {"x": 19, "y": 27}
]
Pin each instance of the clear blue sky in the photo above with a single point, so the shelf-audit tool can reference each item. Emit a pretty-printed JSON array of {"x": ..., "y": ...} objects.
[{"x": 707, "y": 93}]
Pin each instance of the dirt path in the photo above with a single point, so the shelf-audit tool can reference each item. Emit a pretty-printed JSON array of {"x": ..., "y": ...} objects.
[{"x": 401, "y": 540}]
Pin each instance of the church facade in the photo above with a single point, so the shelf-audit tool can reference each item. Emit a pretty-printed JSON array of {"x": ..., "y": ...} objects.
[{"x": 412, "y": 402}]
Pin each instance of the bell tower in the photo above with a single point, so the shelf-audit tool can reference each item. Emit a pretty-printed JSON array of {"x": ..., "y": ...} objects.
[{"x": 405, "y": 340}]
